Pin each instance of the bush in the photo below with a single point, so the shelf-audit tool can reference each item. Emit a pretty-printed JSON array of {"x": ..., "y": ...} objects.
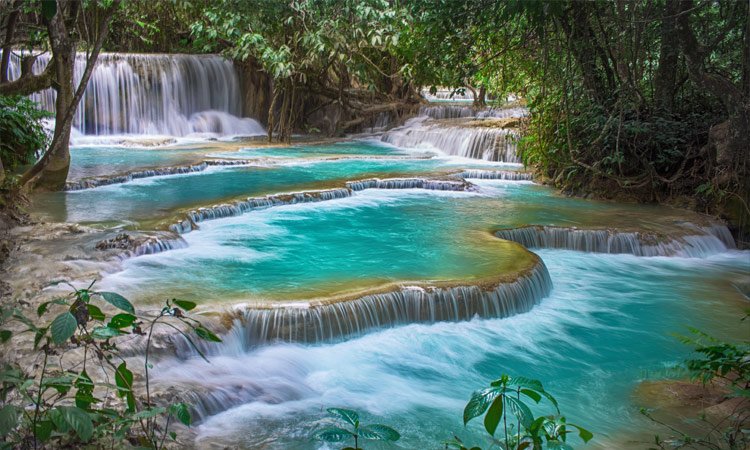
[{"x": 22, "y": 136}]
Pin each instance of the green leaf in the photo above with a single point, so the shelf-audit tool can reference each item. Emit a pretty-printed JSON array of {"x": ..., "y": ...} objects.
[
  {"x": 121, "y": 320},
  {"x": 105, "y": 333},
  {"x": 8, "y": 419},
  {"x": 583, "y": 433},
  {"x": 206, "y": 334},
  {"x": 5, "y": 335},
  {"x": 43, "y": 307},
  {"x": 49, "y": 9},
  {"x": 347, "y": 415},
  {"x": 380, "y": 433},
  {"x": 63, "y": 327},
  {"x": 95, "y": 313},
  {"x": 124, "y": 382},
  {"x": 532, "y": 395},
  {"x": 521, "y": 411},
  {"x": 149, "y": 413},
  {"x": 118, "y": 301},
  {"x": 333, "y": 434},
  {"x": 182, "y": 412},
  {"x": 479, "y": 402},
  {"x": 184, "y": 304},
  {"x": 44, "y": 430},
  {"x": 494, "y": 414},
  {"x": 79, "y": 420}
]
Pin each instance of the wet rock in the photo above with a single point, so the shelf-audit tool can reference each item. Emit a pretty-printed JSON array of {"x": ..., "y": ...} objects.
[{"x": 122, "y": 241}]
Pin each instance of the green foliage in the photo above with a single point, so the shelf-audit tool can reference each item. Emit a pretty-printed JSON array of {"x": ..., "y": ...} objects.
[
  {"x": 504, "y": 406},
  {"x": 355, "y": 430},
  {"x": 22, "y": 136},
  {"x": 60, "y": 406}
]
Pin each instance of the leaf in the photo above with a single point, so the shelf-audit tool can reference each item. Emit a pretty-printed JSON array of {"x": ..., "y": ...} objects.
[
  {"x": 105, "y": 333},
  {"x": 8, "y": 419},
  {"x": 49, "y": 9},
  {"x": 44, "y": 430},
  {"x": 5, "y": 335},
  {"x": 185, "y": 304},
  {"x": 121, "y": 320},
  {"x": 206, "y": 334},
  {"x": 521, "y": 411},
  {"x": 532, "y": 394},
  {"x": 182, "y": 412},
  {"x": 63, "y": 327},
  {"x": 79, "y": 420},
  {"x": 479, "y": 402},
  {"x": 347, "y": 415},
  {"x": 583, "y": 433},
  {"x": 118, "y": 301},
  {"x": 380, "y": 433},
  {"x": 95, "y": 313},
  {"x": 333, "y": 434},
  {"x": 149, "y": 413},
  {"x": 494, "y": 414},
  {"x": 124, "y": 382}
]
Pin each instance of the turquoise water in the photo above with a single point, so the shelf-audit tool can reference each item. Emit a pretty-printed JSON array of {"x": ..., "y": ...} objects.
[
  {"x": 94, "y": 161},
  {"x": 607, "y": 324}
]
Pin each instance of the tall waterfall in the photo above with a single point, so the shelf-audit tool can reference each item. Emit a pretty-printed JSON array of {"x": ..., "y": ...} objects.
[{"x": 154, "y": 94}]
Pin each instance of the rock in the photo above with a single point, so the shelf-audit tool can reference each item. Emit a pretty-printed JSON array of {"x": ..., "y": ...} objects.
[{"x": 122, "y": 241}]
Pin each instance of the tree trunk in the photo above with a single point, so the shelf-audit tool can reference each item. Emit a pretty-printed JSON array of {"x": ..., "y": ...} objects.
[
  {"x": 665, "y": 79},
  {"x": 10, "y": 29},
  {"x": 480, "y": 101}
]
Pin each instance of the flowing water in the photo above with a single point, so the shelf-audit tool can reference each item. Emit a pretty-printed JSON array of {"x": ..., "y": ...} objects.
[{"x": 370, "y": 275}]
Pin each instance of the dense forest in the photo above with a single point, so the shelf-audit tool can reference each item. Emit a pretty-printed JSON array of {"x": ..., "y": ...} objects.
[{"x": 634, "y": 101}]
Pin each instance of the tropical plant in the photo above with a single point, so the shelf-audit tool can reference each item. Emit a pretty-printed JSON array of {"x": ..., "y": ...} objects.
[
  {"x": 64, "y": 402},
  {"x": 355, "y": 430},
  {"x": 503, "y": 406},
  {"x": 22, "y": 135}
]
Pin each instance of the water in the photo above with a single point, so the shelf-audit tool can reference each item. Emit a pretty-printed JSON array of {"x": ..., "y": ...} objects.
[
  {"x": 173, "y": 95},
  {"x": 590, "y": 343}
]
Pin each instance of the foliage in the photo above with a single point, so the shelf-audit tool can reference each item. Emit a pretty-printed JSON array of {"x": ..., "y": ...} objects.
[
  {"x": 65, "y": 402},
  {"x": 355, "y": 430},
  {"x": 727, "y": 364},
  {"x": 22, "y": 135},
  {"x": 505, "y": 402}
]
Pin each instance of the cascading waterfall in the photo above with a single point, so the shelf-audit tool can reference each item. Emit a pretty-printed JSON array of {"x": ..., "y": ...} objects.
[
  {"x": 306, "y": 322},
  {"x": 154, "y": 94},
  {"x": 487, "y": 143},
  {"x": 703, "y": 241},
  {"x": 463, "y": 111},
  {"x": 253, "y": 203},
  {"x": 510, "y": 175}
]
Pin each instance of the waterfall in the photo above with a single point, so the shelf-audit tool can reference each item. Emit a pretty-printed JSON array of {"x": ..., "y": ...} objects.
[
  {"x": 705, "y": 241},
  {"x": 408, "y": 183},
  {"x": 329, "y": 321},
  {"x": 463, "y": 111},
  {"x": 154, "y": 94},
  {"x": 510, "y": 175},
  {"x": 478, "y": 142}
]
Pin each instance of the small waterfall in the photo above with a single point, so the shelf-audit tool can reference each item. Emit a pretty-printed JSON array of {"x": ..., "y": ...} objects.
[
  {"x": 706, "y": 241},
  {"x": 136, "y": 244},
  {"x": 154, "y": 94},
  {"x": 463, "y": 111},
  {"x": 322, "y": 322},
  {"x": 490, "y": 144},
  {"x": 94, "y": 182},
  {"x": 408, "y": 183},
  {"x": 510, "y": 175}
]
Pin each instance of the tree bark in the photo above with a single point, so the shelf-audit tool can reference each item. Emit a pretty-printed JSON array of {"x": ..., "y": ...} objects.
[
  {"x": 10, "y": 29},
  {"x": 665, "y": 79}
]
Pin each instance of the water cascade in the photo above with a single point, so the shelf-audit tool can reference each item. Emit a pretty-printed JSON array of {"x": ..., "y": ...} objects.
[
  {"x": 154, "y": 94},
  {"x": 409, "y": 183},
  {"x": 704, "y": 241},
  {"x": 463, "y": 111},
  {"x": 478, "y": 142},
  {"x": 510, "y": 175}
]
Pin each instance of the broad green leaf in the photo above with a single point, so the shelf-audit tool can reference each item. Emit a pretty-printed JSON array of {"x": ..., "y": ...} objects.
[
  {"x": 380, "y": 433},
  {"x": 95, "y": 313},
  {"x": 333, "y": 434},
  {"x": 185, "y": 304},
  {"x": 124, "y": 381},
  {"x": 347, "y": 415},
  {"x": 44, "y": 430},
  {"x": 527, "y": 383},
  {"x": 532, "y": 395},
  {"x": 182, "y": 412},
  {"x": 149, "y": 413},
  {"x": 206, "y": 334},
  {"x": 5, "y": 335},
  {"x": 520, "y": 410},
  {"x": 49, "y": 9},
  {"x": 63, "y": 327},
  {"x": 79, "y": 420},
  {"x": 479, "y": 402},
  {"x": 43, "y": 307},
  {"x": 494, "y": 414},
  {"x": 118, "y": 301},
  {"x": 105, "y": 333},
  {"x": 121, "y": 320},
  {"x": 583, "y": 433},
  {"x": 8, "y": 419}
]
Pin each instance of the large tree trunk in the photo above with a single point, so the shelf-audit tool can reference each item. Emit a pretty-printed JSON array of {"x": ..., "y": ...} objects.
[
  {"x": 665, "y": 79},
  {"x": 10, "y": 29}
]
